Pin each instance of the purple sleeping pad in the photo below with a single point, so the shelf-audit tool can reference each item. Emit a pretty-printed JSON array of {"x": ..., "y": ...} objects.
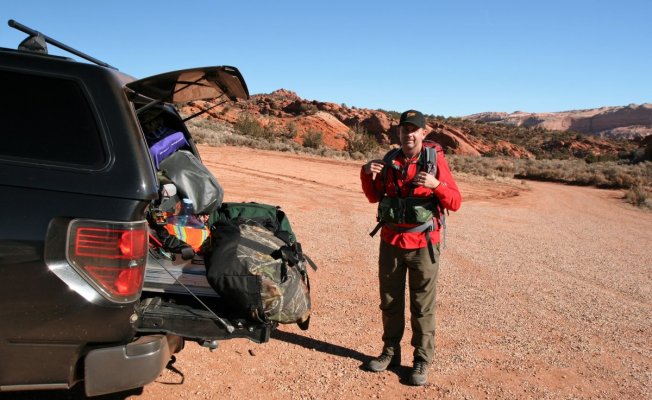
[{"x": 166, "y": 146}]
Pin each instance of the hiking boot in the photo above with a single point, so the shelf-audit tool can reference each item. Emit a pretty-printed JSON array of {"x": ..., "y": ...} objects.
[
  {"x": 419, "y": 375},
  {"x": 383, "y": 361}
]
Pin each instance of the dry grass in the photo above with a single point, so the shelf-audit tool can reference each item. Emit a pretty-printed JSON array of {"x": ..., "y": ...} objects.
[
  {"x": 609, "y": 174},
  {"x": 636, "y": 178},
  {"x": 313, "y": 139},
  {"x": 639, "y": 196},
  {"x": 360, "y": 141}
]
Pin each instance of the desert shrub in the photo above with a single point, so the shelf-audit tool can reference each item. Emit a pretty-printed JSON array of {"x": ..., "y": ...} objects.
[
  {"x": 246, "y": 141},
  {"x": 390, "y": 113},
  {"x": 290, "y": 131},
  {"x": 326, "y": 152},
  {"x": 359, "y": 141},
  {"x": 248, "y": 126},
  {"x": 284, "y": 146},
  {"x": 225, "y": 110},
  {"x": 270, "y": 131},
  {"x": 208, "y": 131},
  {"x": 638, "y": 196},
  {"x": 308, "y": 108},
  {"x": 594, "y": 158},
  {"x": 313, "y": 139},
  {"x": 611, "y": 174},
  {"x": 482, "y": 166}
]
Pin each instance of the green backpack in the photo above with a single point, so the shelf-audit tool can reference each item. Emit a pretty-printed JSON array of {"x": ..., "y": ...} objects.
[{"x": 271, "y": 217}]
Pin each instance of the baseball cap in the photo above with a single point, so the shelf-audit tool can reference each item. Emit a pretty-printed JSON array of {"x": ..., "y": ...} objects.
[{"x": 413, "y": 117}]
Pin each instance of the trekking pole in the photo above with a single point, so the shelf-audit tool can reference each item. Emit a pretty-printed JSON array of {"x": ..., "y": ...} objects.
[{"x": 219, "y": 319}]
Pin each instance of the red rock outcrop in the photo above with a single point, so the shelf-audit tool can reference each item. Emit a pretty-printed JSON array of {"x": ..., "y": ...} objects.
[{"x": 334, "y": 131}]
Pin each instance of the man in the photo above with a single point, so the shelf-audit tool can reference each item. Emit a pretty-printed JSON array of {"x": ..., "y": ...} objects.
[{"x": 413, "y": 186}]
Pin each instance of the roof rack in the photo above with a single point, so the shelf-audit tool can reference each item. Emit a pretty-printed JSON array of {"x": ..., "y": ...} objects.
[{"x": 36, "y": 42}]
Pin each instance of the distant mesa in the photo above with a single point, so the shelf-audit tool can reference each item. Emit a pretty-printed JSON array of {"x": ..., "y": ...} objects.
[{"x": 624, "y": 122}]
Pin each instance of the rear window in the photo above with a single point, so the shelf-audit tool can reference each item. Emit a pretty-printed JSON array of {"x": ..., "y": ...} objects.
[{"x": 48, "y": 120}]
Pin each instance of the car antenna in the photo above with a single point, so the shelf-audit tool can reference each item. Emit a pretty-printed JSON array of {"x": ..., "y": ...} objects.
[{"x": 36, "y": 35}]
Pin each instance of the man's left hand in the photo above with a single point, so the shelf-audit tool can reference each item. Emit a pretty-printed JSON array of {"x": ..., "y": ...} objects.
[{"x": 426, "y": 180}]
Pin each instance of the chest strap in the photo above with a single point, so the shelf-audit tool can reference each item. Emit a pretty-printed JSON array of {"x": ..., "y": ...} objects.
[{"x": 419, "y": 228}]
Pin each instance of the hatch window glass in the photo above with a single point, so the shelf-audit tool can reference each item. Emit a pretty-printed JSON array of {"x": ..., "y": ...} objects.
[{"x": 48, "y": 120}]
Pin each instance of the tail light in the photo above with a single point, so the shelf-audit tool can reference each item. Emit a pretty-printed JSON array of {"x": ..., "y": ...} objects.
[{"x": 111, "y": 256}]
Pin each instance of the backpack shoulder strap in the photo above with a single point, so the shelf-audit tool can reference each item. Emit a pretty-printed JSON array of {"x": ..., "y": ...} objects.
[
  {"x": 429, "y": 156},
  {"x": 388, "y": 161},
  {"x": 431, "y": 163},
  {"x": 391, "y": 155}
]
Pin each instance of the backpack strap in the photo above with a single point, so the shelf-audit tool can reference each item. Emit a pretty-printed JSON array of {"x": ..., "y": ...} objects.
[
  {"x": 431, "y": 249},
  {"x": 427, "y": 162},
  {"x": 428, "y": 159},
  {"x": 419, "y": 228},
  {"x": 430, "y": 162},
  {"x": 388, "y": 161},
  {"x": 376, "y": 228},
  {"x": 391, "y": 155}
]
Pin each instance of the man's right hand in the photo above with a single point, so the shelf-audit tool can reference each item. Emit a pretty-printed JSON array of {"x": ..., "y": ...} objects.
[{"x": 373, "y": 167}]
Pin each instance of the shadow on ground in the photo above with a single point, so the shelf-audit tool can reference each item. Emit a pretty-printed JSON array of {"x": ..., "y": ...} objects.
[{"x": 403, "y": 372}]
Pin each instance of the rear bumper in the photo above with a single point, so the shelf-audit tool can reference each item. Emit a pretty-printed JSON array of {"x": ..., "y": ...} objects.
[{"x": 115, "y": 369}]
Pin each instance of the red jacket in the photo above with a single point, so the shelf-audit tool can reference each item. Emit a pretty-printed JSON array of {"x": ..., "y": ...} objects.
[{"x": 447, "y": 192}]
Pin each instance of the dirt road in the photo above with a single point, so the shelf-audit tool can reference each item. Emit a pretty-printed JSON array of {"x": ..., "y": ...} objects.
[
  {"x": 543, "y": 295},
  {"x": 545, "y": 291}
]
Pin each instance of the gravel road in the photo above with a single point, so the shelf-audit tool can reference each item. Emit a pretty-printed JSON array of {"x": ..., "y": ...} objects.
[{"x": 544, "y": 293}]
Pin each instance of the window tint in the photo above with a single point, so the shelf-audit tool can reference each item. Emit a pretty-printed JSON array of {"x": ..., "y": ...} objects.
[{"x": 49, "y": 120}]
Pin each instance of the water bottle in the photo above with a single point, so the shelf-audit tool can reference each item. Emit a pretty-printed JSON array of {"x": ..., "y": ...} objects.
[
  {"x": 186, "y": 215},
  {"x": 185, "y": 212}
]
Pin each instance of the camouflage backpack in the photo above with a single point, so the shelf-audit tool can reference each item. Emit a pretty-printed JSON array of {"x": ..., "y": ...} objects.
[{"x": 258, "y": 272}]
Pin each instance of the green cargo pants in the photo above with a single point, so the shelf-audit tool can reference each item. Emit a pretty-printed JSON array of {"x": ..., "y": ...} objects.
[{"x": 394, "y": 264}]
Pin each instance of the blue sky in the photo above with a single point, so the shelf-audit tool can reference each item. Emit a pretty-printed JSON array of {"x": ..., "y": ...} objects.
[{"x": 448, "y": 58}]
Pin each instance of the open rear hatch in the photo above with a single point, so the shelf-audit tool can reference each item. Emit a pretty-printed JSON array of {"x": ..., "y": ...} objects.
[
  {"x": 193, "y": 84},
  {"x": 177, "y": 298}
]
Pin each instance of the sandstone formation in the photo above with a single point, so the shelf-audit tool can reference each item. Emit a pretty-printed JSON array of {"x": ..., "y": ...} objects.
[{"x": 626, "y": 122}]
